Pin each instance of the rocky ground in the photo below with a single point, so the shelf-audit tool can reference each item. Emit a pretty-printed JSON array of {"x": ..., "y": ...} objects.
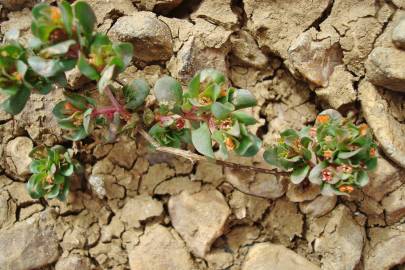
[{"x": 141, "y": 210}]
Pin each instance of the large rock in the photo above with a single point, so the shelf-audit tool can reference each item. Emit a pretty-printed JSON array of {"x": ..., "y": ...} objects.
[
  {"x": 151, "y": 37},
  {"x": 73, "y": 262},
  {"x": 385, "y": 249},
  {"x": 199, "y": 218},
  {"x": 394, "y": 205},
  {"x": 29, "y": 245},
  {"x": 18, "y": 150},
  {"x": 301, "y": 193},
  {"x": 218, "y": 12},
  {"x": 158, "y": 6},
  {"x": 384, "y": 113},
  {"x": 18, "y": 4},
  {"x": 111, "y": 9},
  {"x": 339, "y": 241},
  {"x": 318, "y": 207},
  {"x": 266, "y": 256},
  {"x": 399, "y": 3},
  {"x": 246, "y": 51},
  {"x": 314, "y": 60},
  {"x": 277, "y": 23},
  {"x": 139, "y": 209},
  {"x": 398, "y": 34},
  {"x": 7, "y": 210},
  {"x": 160, "y": 249},
  {"x": 340, "y": 90},
  {"x": 386, "y": 68},
  {"x": 247, "y": 206}
]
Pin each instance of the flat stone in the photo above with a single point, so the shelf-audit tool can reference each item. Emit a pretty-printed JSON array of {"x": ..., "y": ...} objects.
[
  {"x": 199, "y": 218},
  {"x": 73, "y": 262},
  {"x": 218, "y": 12},
  {"x": 398, "y": 34},
  {"x": 299, "y": 193},
  {"x": 176, "y": 185},
  {"x": 123, "y": 153},
  {"x": 394, "y": 205},
  {"x": 320, "y": 206},
  {"x": 265, "y": 256},
  {"x": 386, "y": 68},
  {"x": 246, "y": 50},
  {"x": 139, "y": 209},
  {"x": 158, "y": 6},
  {"x": 18, "y": 149},
  {"x": 385, "y": 114},
  {"x": 111, "y": 9},
  {"x": 248, "y": 206},
  {"x": 151, "y": 37},
  {"x": 160, "y": 249}
]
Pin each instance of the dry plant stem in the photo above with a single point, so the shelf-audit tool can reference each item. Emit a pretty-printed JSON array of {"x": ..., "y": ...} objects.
[
  {"x": 116, "y": 104},
  {"x": 195, "y": 157}
]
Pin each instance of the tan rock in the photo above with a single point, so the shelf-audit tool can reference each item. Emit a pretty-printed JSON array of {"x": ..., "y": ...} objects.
[
  {"x": 151, "y": 38},
  {"x": 18, "y": 4},
  {"x": 160, "y": 249},
  {"x": 73, "y": 262},
  {"x": 383, "y": 113},
  {"x": 176, "y": 185},
  {"x": 123, "y": 153},
  {"x": 139, "y": 209},
  {"x": 247, "y": 206},
  {"x": 394, "y": 205},
  {"x": 385, "y": 248},
  {"x": 111, "y": 9},
  {"x": 157, "y": 174},
  {"x": 246, "y": 51},
  {"x": 158, "y": 6},
  {"x": 199, "y": 218},
  {"x": 385, "y": 67},
  {"x": 242, "y": 236},
  {"x": 218, "y": 12},
  {"x": 320, "y": 206},
  {"x": 110, "y": 255},
  {"x": 398, "y": 34},
  {"x": 399, "y": 3},
  {"x": 7, "y": 210},
  {"x": 18, "y": 150},
  {"x": 264, "y": 256},
  {"x": 340, "y": 90},
  {"x": 209, "y": 172},
  {"x": 301, "y": 193},
  {"x": 284, "y": 222}
]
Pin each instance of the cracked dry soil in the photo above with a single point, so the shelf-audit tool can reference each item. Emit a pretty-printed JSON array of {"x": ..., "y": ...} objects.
[{"x": 141, "y": 210}]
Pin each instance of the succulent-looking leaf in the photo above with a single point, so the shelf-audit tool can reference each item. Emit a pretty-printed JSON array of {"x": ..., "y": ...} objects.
[
  {"x": 86, "y": 69},
  {"x": 15, "y": 104},
  {"x": 57, "y": 49},
  {"x": 44, "y": 67},
  {"x": 362, "y": 178},
  {"x": 346, "y": 155},
  {"x": 371, "y": 164},
  {"x": 85, "y": 16},
  {"x": 106, "y": 77},
  {"x": 221, "y": 111},
  {"x": 125, "y": 52},
  {"x": 315, "y": 174},
  {"x": 194, "y": 86},
  {"x": 212, "y": 75},
  {"x": 244, "y": 118},
  {"x": 243, "y": 98},
  {"x": 201, "y": 139},
  {"x": 135, "y": 93},
  {"x": 329, "y": 190},
  {"x": 299, "y": 174},
  {"x": 67, "y": 16},
  {"x": 249, "y": 146},
  {"x": 168, "y": 91}
]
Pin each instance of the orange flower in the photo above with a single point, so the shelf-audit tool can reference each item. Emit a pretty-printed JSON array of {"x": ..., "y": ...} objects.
[
  {"x": 372, "y": 152},
  {"x": 363, "y": 129},
  {"x": 224, "y": 91},
  {"x": 230, "y": 145},
  {"x": 55, "y": 14},
  {"x": 327, "y": 154},
  {"x": 204, "y": 100},
  {"x": 327, "y": 175},
  {"x": 18, "y": 76},
  {"x": 324, "y": 118},
  {"x": 226, "y": 124},
  {"x": 346, "y": 188},
  {"x": 69, "y": 107}
]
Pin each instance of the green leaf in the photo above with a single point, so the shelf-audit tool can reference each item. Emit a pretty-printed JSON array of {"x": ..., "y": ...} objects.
[
  {"x": 299, "y": 174},
  {"x": 34, "y": 186},
  {"x": 243, "y": 98},
  {"x": 234, "y": 130},
  {"x": 249, "y": 146},
  {"x": 315, "y": 174},
  {"x": 219, "y": 137},
  {"x": 125, "y": 51},
  {"x": 168, "y": 91},
  {"x": 86, "y": 17},
  {"x": 213, "y": 75},
  {"x": 194, "y": 86},
  {"x": 38, "y": 152},
  {"x": 67, "y": 16},
  {"x": 78, "y": 101},
  {"x": 106, "y": 76},
  {"x": 65, "y": 191},
  {"x": 201, "y": 139},
  {"x": 86, "y": 69},
  {"x": 371, "y": 164},
  {"x": 135, "y": 93},
  {"x": 15, "y": 104},
  {"x": 57, "y": 49},
  {"x": 362, "y": 178},
  {"x": 39, "y": 10},
  {"x": 329, "y": 190},
  {"x": 244, "y": 118},
  {"x": 88, "y": 122},
  {"x": 221, "y": 111},
  {"x": 67, "y": 170},
  {"x": 37, "y": 166},
  {"x": 346, "y": 155},
  {"x": 54, "y": 192},
  {"x": 44, "y": 67},
  {"x": 77, "y": 135}
]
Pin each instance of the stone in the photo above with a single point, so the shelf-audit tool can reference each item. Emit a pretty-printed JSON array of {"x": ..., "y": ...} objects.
[
  {"x": 113, "y": 230},
  {"x": 340, "y": 90},
  {"x": 284, "y": 222},
  {"x": 247, "y": 206},
  {"x": 383, "y": 180},
  {"x": 385, "y": 38},
  {"x": 385, "y": 67},
  {"x": 30, "y": 245},
  {"x": 140, "y": 208},
  {"x": 394, "y": 205},
  {"x": 110, "y": 255},
  {"x": 320, "y": 206},
  {"x": 76, "y": 79},
  {"x": 242, "y": 236},
  {"x": 218, "y": 12},
  {"x": 261, "y": 185},
  {"x": 383, "y": 112},
  {"x": 158, "y": 6},
  {"x": 18, "y": 4},
  {"x": 199, "y": 218},
  {"x": 73, "y": 262},
  {"x": 111, "y": 9},
  {"x": 160, "y": 249},
  {"x": 219, "y": 259},
  {"x": 398, "y": 34},
  {"x": 246, "y": 51},
  {"x": 299, "y": 193},
  {"x": 96, "y": 183},
  {"x": 156, "y": 174},
  {"x": 20, "y": 21},
  {"x": 209, "y": 172},
  {"x": 264, "y": 256},
  {"x": 7, "y": 210},
  {"x": 176, "y": 185},
  {"x": 151, "y": 37},
  {"x": 399, "y": 3},
  {"x": 385, "y": 249},
  {"x": 314, "y": 60},
  {"x": 18, "y": 150},
  {"x": 277, "y": 23},
  {"x": 340, "y": 242},
  {"x": 123, "y": 153}
]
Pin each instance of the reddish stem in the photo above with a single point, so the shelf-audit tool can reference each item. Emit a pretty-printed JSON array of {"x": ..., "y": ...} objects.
[
  {"x": 105, "y": 110},
  {"x": 119, "y": 108}
]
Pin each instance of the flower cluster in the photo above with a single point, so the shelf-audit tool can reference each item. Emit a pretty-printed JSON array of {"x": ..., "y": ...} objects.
[
  {"x": 51, "y": 169},
  {"x": 209, "y": 115},
  {"x": 335, "y": 153}
]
